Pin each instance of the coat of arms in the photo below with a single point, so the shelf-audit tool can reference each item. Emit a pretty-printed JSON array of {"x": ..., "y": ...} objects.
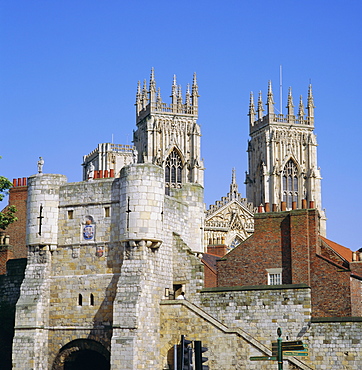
[
  {"x": 88, "y": 232},
  {"x": 99, "y": 251}
]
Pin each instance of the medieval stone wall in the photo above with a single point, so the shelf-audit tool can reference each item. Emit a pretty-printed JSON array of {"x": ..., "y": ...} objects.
[
  {"x": 238, "y": 323},
  {"x": 335, "y": 343},
  {"x": 261, "y": 310},
  {"x": 9, "y": 294}
]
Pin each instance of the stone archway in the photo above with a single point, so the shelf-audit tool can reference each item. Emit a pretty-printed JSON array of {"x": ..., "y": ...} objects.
[{"x": 82, "y": 354}]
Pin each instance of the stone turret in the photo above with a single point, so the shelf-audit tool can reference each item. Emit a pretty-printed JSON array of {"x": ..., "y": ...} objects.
[
  {"x": 142, "y": 187},
  {"x": 30, "y": 345},
  {"x": 42, "y": 210}
]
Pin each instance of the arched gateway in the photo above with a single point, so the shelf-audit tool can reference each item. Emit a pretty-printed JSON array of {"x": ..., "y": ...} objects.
[{"x": 81, "y": 354}]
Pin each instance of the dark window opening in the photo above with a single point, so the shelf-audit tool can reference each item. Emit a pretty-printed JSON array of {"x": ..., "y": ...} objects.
[
  {"x": 290, "y": 184},
  {"x": 173, "y": 171}
]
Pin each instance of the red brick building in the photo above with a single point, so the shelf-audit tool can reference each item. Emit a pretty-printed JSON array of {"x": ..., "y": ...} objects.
[
  {"x": 209, "y": 259},
  {"x": 286, "y": 248},
  {"x": 13, "y": 239}
]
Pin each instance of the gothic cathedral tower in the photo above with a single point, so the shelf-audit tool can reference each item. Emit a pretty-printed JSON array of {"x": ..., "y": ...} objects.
[
  {"x": 283, "y": 172},
  {"x": 168, "y": 135}
]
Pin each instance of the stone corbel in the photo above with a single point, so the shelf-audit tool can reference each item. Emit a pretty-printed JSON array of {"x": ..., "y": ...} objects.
[
  {"x": 150, "y": 243},
  {"x": 43, "y": 248}
]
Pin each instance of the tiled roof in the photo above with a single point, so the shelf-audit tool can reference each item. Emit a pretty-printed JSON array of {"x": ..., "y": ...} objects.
[{"x": 339, "y": 249}]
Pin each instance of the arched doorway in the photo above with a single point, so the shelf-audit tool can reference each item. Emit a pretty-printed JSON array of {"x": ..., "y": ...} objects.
[
  {"x": 86, "y": 360},
  {"x": 82, "y": 354}
]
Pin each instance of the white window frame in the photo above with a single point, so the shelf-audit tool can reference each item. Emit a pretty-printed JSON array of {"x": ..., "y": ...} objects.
[{"x": 275, "y": 276}]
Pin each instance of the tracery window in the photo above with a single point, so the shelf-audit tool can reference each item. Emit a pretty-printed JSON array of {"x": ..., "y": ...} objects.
[
  {"x": 290, "y": 183},
  {"x": 173, "y": 171}
]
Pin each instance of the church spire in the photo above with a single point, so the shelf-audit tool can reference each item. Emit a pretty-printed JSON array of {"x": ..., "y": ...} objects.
[
  {"x": 270, "y": 101},
  {"x": 290, "y": 105},
  {"x": 152, "y": 86},
  {"x": 310, "y": 106},
  {"x": 138, "y": 97},
  {"x": 194, "y": 93},
  {"x": 233, "y": 186},
  {"x": 174, "y": 93},
  {"x": 144, "y": 97},
  {"x": 301, "y": 112},
  {"x": 188, "y": 96},
  {"x": 260, "y": 106},
  {"x": 158, "y": 99},
  {"x": 251, "y": 109},
  {"x": 179, "y": 97}
]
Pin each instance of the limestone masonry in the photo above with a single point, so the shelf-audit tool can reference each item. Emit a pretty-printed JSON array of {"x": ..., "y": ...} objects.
[{"x": 108, "y": 257}]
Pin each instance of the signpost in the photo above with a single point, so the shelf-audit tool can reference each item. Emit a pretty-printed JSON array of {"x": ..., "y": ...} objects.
[
  {"x": 263, "y": 358},
  {"x": 300, "y": 353},
  {"x": 280, "y": 349}
]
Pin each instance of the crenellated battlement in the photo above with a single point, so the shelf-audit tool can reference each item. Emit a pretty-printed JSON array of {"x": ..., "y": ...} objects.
[
  {"x": 257, "y": 120},
  {"x": 281, "y": 119}
]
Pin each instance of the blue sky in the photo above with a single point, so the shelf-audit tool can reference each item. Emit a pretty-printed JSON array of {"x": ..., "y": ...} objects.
[{"x": 69, "y": 71}]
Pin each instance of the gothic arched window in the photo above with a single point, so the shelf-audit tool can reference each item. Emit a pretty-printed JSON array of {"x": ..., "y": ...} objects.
[
  {"x": 173, "y": 171},
  {"x": 290, "y": 183}
]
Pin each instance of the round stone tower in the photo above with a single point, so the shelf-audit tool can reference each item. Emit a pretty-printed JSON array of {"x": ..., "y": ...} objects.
[
  {"x": 42, "y": 209},
  {"x": 142, "y": 198}
]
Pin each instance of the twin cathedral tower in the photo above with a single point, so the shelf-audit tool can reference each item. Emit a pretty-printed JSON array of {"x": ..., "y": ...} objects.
[{"x": 282, "y": 150}]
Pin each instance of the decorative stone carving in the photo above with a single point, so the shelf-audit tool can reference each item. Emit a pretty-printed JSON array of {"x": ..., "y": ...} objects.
[{"x": 230, "y": 219}]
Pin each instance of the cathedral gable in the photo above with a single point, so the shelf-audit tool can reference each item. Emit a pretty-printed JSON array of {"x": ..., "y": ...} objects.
[{"x": 229, "y": 222}]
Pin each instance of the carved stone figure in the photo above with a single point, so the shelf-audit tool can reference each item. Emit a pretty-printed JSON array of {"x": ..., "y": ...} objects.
[
  {"x": 40, "y": 165},
  {"x": 135, "y": 155},
  {"x": 90, "y": 171}
]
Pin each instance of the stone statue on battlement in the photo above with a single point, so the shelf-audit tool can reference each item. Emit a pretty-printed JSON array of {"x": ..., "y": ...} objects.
[
  {"x": 40, "y": 165},
  {"x": 135, "y": 155},
  {"x": 90, "y": 171}
]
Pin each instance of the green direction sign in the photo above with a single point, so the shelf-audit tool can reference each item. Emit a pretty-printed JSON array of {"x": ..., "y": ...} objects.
[
  {"x": 296, "y": 346},
  {"x": 296, "y": 353},
  {"x": 293, "y": 343},
  {"x": 292, "y": 348},
  {"x": 263, "y": 358}
]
